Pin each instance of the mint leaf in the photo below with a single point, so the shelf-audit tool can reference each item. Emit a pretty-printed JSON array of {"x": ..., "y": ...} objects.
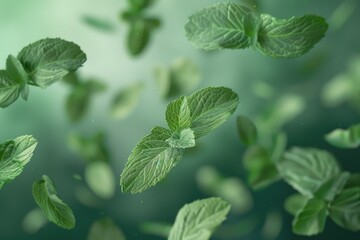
[
  {"x": 345, "y": 209},
  {"x": 105, "y": 229},
  {"x": 184, "y": 139},
  {"x": 178, "y": 115},
  {"x": 150, "y": 161},
  {"x": 295, "y": 203},
  {"x": 333, "y": 186},
  {"x": 98, "y": 23},
  {"x": 210, "y": 107},
  {"x": 311, "y": 219},
  {"x": 125, "y": 100},
  {"x": 348, "y": 138},
  {"x": 100, "y": 179},
  {"x": 49, "y": 60},
  {"x": 307, "y": 169},
  {"x": 220, "y": 26},
  {"x": 246, "y": 130},
  {"x": 14, "y": 155},
  {"x": 9, "y": 89},
  {"x": 53, "y": 207},
  {"x": 353, "y": 181},
  {"x": 156, "y": 228},
  {"x": 197, "y": 220},
  {"x": 289, "y": 37},
  {"x": 17, "y": 73},
  {"x": 34, "y": 221},
  {"x": 138, "y": 36},
  {"x": 139, "y": 5}
]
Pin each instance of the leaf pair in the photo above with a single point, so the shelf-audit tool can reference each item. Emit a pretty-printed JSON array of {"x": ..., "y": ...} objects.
[
  {"x": 40, "y": 64},
  {"x": 233, "y": 26},
  {"x": 188, "y": 119}
]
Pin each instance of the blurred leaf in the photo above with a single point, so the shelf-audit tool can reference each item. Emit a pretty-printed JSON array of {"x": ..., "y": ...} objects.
[
  {"x": 86, "y": 197},
  {"x": 98, "y": 23},
  {"x": 211, "y": 107},
  {"x": 353, "y": 181},
  {"x": 261, "y": 170},
  {"x": 279, "y": 147},
  {"x": 184, "y": 139},
  {"x": 105, "y": 229},
  {"x": 157, "y": 229},
  {"x": 197, "y": 220},
  {"x": 336, "y": 91},
  {"x": 272, "y": 226},
  {"x": 294, "y": 203},
  {"x": 239, "y": 229},
  {"x": 72, "y": 78},
  {"x": 178, "y": 115},
  {"x": 138, "y": 36},
  {"x": 308, "y": 169},
  {"x": 139, "y": 5},
  {"x": 333, "y": 186},
  {"x": 149, "y": 162},
  {"x": 345, "y": 209},
  {"x": 100, "y": 179},
  {"x": 246, "y": 130},
  {"x": 341, "y": 14},
  {"x": 311, "y": 219},
  {"x": 14, "y": 155},
  {"x": 126, "y": 100},
  {"x": 52, "y": 206},
  {"x": 9, "y": 89},
  {"x": 49, "y": 60},
  {"x": 34, "y": 221},
  {"x": 17, "y": 73},
  {"x": 263, "y": 90},
  {"x": 163, "y": 81},
  {"x": 348, "y": 138}
]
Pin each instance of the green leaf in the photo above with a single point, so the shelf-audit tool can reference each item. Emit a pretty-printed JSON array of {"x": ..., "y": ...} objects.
[
  {"x": 210, "y": 107},
  {"x": 156, "y": 228},
  {"x": 333, "y": 186},
  {"x": 353, "y": 181},
  {"x": 295, "y": 203},
  {"x": 105, "y": 229},
  {"x": 261, "y": 170},
  {"x": 150, "y": 161},
  {"x": 139, "y": 5},
  {"x": 14, "y": 155},
  {"x": 126, "y": 100},
  {"x": 53, "y": 207},
  {"x": 184, "y": 139},
  {"x": 178, "y": 115},
  {"x": 198, "y": 220},
  {"x": 348, "y": 138},
  {"x": 222, "y": 25},
  {"x": 162, "y": 77},
  {"x": 17, "y": 73},
  {"x": 49, "y": 60},
  {"x": 98, "y": 23},
  {"x": 9, "y": 89},
  {"x": 307, "y": 169},
  {"x": 311, "y": 219},
  {"x": 77, "y": 102},
  {"x": 289, "y": 37},
  {"x": 246, "y": 130},
  {"x": 345, "y": 209},
  {"x": 34, "y": 221},
  {"x": 138, "y": 36},
  {"x": 337, "y": 90},
  {"x": 100, "y": 179}
]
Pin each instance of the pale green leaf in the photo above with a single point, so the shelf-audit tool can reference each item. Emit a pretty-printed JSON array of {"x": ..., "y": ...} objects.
[
  {"x": 9, "y": 89},
  {"x": 100, "y": 179},
  {"x": 295, "y": 203},
  {"x": 223, "y": 25},
  {"x": 77, "y": 102},
  {"x": 34, "y": 221},
  {"x": 49, "y": 60},
  {"x": 198, "y": 220},
  {"x": 333, "y": 186},
  {"x": 178, "y": 115},
  {"x": 156, "y": 228},
  {"x": 126, "y": 100},
  {"x": 345, "y": 138},
  {"x": 14, "y": 155},
  {"x": 210, "y": 107},
  {"x": 307, "y": 169},
  {"x": 149, "y": 162},
  {"x": 345, "y": 209},
  {"x": 246, "y": 130},
  {"x": 337, "y": 90},
  {"x": 53, "y": 207},
  {"x": 272, "y": 226},
  {"x": 184, "y": 139},
  {"x": 289, "y": 37},
  {"x": 105, "y": 229},
  {"x": 162, "y": 78},
  {"x": 311, "y": 219}
]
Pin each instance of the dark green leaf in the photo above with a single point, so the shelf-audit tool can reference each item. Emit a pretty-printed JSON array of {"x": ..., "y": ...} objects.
[
  {"x": 246, "y": 130},
  {"x": 98, "y": 23},
  {"x": 178, "y": 115},
  {"x": 138, "y": 37}
]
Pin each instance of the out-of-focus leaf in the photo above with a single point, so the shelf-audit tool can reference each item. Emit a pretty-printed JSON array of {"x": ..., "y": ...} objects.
[
  {"x": 105, "y": 229},
  {"x": 272, "y": 226},
  {"x": 294, "y": 203},
  {"x": 100, "y": 179},
  {"x": 138, "y": 36},
  {"x": 238, "y": 229},
  {"x": 341, "y": 14},
  {"x": 139, "y": 5},
  {"x": 279, "y": 147},
  {"x": 126, "y": 100},
  {"x": 10, "y": 90},
  {"x": 155, "y": 228},
  {"x": 263, "y": 90},
  {"x": 332, "y": 187},
  {"x": 345, "y": 138},
  {"x": 246, "y": 130},
  {"x": 336, "y": 91},
  {"x": 353, "y": 181},
  {"x": 162, "y": 78},
  {"x": 98, "y": 23},
  {"x": 86, "y": 197},
  {"x": 34, "y": 221}
]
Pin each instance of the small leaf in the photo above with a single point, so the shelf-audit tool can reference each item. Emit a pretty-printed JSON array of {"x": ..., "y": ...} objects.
[
  {"x": 295, "y": 203},
  {"x": 77, "y": 102},
  {"x": 162, "y": 78},
  {"x": 138, "y": 36},
  {"x": 52, "y": 206},
  {"x": 100, "y": 179},
  {"x": 272, "y": 226},
  {"x": 246, "y": 130},
  {"x": 199, "y": 219},
  {"x": 308, "y": 169},
  {"x": 345, "y": 209},
  {"x": 333, "y": 186},
  {"x": 105, "y": 229},
  {"x": 311, "y": 219},
  {"x": 9, "y": 89},
  {"x": 139, "y": 5},
  {"x": 49, "y": 60},
  {"x": 17, "y": 73},
  {"x": 210, "y": 107},
  {"x": 98, "y": 23},
  {"x": 34, "y": 221},
  {"x": 125, "y": 100},
  {"x": 149, "y": 162},
  {"x": 14, "y": 155},
  {"x": 155, "y": 228},
  {"x": 219, "y": 26},
  {"x": 178, "y": 115},
  {"x": 348, "y": 138},
  {"x": 184, "y": 139},
  {"x": 289, "y": 37},
  {"x": 353, "y": 181}
]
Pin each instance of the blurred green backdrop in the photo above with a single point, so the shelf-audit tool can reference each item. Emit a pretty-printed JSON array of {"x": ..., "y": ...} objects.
[{"x": 44, "y": 116}]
